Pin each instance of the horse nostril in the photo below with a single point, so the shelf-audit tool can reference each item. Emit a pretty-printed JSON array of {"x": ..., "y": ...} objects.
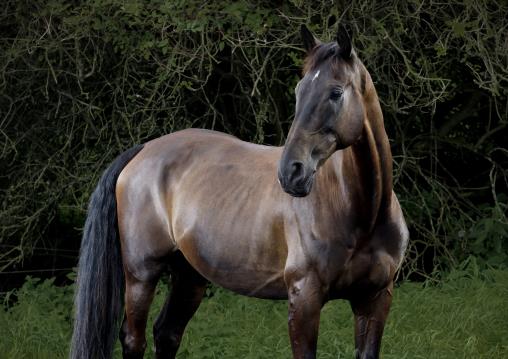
[{"x": 296, "y": 170}]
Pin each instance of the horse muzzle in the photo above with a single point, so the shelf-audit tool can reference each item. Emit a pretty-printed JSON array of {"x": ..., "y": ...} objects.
[{"x": 295, "y": 179}]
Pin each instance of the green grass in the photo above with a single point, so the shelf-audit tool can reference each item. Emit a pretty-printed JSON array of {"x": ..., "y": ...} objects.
[{"x": 465, "y": 316}]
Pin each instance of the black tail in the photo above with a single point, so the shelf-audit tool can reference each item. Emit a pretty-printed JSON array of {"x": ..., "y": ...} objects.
[{"x": 100, "y": 283}]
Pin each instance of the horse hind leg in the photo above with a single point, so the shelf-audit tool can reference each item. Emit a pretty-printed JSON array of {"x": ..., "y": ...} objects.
[
  {"x": 138, "y": 298},
  {"x": 188, "y": 288},
  {"x": 141, "y": 277}
]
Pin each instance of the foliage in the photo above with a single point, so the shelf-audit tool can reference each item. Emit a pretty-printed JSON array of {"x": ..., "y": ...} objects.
[
  {"x": 462, "y": 317},
  {"x": 80, "y": 83},
  {"x": 38, "y": 325}
]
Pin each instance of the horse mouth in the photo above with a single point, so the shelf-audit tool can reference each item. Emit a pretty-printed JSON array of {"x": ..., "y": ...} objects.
[
  {"x": 301, "y": 190},
  {"x": 296, "y": 192}
]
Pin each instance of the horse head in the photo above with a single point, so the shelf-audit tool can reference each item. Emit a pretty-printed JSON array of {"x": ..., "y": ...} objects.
[{"x": 330, "y": 111}]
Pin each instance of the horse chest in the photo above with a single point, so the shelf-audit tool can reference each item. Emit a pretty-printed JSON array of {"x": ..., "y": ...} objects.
[
  {"x": 361, "y": 262},
  {"x": 366, "y": 268}
]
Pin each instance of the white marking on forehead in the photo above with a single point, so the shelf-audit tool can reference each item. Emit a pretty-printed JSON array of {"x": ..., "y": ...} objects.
[{"x": 316, "y": 75}]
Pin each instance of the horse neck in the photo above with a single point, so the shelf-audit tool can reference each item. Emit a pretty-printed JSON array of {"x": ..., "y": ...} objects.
[{"x": 367, "y": 164}]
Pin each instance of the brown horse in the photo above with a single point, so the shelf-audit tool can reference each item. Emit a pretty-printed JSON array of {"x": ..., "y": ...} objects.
[{"x": 209, "y": 207}]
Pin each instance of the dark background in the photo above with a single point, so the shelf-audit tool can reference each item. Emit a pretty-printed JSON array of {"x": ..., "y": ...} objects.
[{"x": 82, "y": 81}]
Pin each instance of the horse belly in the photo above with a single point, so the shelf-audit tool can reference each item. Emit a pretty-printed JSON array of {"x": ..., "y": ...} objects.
[
  {"x": 236, "y": 267},
  {"x": 240, "y": 249}
]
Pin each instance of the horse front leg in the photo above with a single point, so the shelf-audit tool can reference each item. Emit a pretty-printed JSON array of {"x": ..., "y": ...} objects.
[
  {"x": 305, "y": 294},
  {"x": 370, "y": 318}
]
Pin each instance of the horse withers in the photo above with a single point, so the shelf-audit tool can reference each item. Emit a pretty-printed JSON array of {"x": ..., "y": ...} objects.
[{"x": 311, "y": 221}]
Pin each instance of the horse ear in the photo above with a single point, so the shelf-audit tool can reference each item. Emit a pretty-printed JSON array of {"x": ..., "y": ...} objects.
[
  {"x": 344, "y": 41},
  {"x": 309, "y": 41}
]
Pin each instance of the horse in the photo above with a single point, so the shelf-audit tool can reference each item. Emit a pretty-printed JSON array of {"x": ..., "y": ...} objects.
[{"x": 312, "y": 221}]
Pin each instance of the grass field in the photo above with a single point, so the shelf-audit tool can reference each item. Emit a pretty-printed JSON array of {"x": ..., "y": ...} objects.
[{"x": 465, "y": 316}]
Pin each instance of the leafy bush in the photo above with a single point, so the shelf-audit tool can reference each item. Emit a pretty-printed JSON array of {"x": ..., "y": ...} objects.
[
  {"x": 81, "y": 83},
  {"x": 38, "y": 324}
]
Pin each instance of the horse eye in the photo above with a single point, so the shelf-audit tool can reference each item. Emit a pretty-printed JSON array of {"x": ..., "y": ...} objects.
[{"x": 336, "y": 93}]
